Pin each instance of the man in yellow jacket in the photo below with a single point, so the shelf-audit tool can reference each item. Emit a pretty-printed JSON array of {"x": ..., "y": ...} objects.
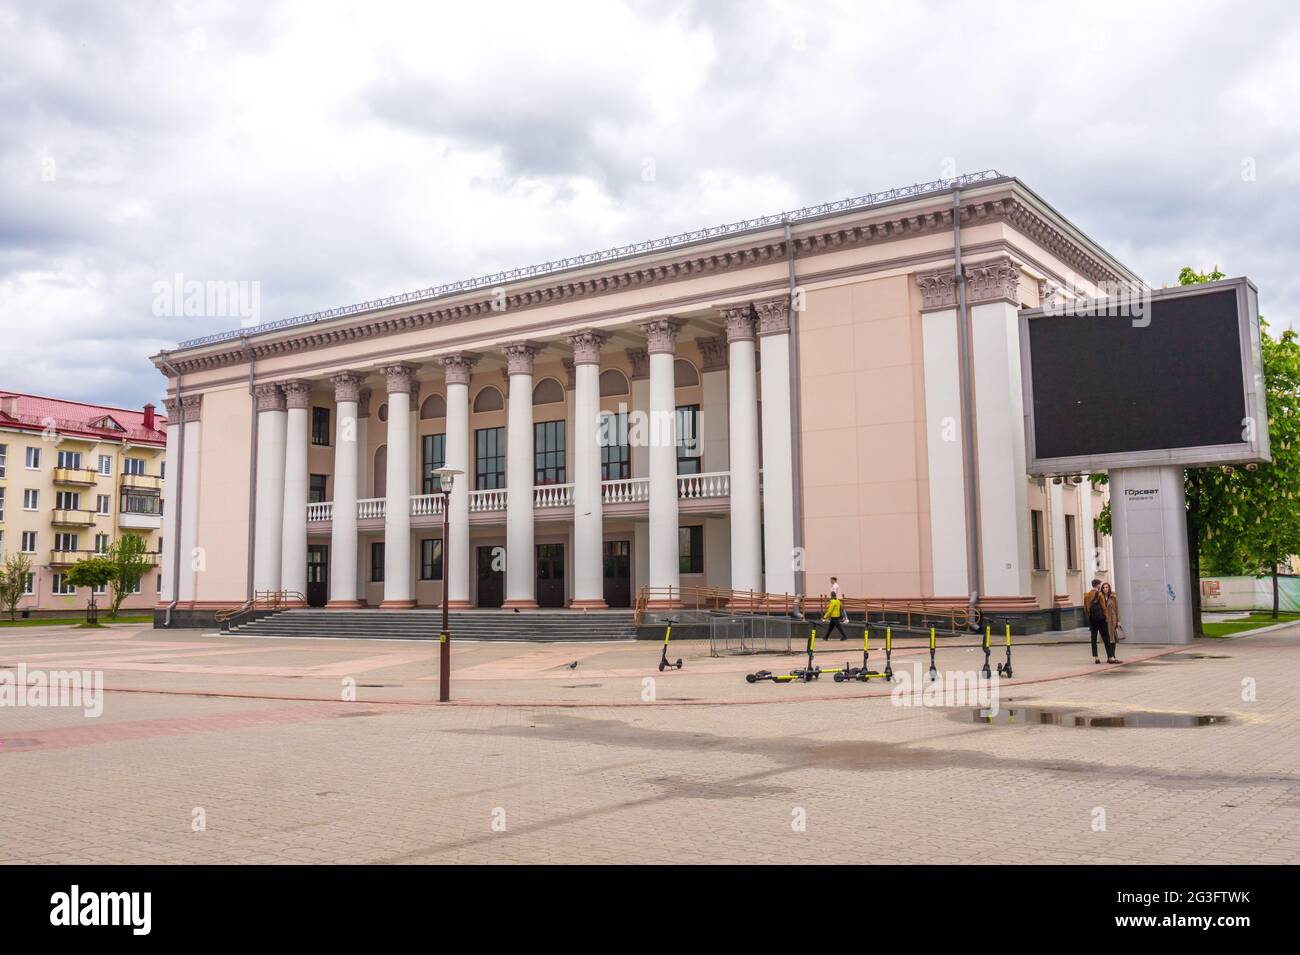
[{"x": 834, "y": 613}]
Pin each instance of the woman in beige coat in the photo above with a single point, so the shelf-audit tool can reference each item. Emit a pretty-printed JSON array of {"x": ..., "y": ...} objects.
[{"x": 1112, "y": 613}]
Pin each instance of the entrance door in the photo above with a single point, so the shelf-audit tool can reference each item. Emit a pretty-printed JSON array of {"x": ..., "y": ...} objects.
[
  {"x": 618, "y": 573},
  {"x": 318, "y": 574},
  {"x": 491, "y": 582},
  {"x": 550, "y": 575}
]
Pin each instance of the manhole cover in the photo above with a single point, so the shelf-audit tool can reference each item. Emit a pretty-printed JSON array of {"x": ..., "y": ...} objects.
[{"x": 1033, "y": 716}]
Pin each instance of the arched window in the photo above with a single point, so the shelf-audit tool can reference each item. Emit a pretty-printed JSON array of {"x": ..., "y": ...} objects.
[
  {"x": 380, "y": 484},
  {"x": 548, "y": 391},
  {"x": 685, "y": 374},
  {"x": 613, "y": 382},
  {"x": 435, "y": 406},
  {"x": 489, "y": 399}
]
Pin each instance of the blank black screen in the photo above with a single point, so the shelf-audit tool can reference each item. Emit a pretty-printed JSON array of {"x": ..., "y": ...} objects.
[{"x": 1103, "y": 386}]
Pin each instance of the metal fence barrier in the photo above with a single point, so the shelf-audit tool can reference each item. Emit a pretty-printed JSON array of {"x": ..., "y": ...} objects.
[{"x": 731, "y": 634}]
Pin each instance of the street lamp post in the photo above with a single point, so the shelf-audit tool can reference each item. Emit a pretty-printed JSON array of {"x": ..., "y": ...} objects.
[{"x": 446, "y": 478}]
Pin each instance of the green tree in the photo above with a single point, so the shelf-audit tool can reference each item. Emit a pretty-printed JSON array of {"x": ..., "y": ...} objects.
[
  {"x": 13, "y": 581},
  {"x": 94, "y": 573},
  {"x": 130, "y": 561}
]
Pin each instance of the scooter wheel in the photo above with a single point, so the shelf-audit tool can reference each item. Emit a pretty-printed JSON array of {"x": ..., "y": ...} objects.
[
  {"x": 751, "y": 678},
  {"x": 678, "y": 664},
  {"x": 662, "y": 664},
  {"x": 839, "y": 678}
]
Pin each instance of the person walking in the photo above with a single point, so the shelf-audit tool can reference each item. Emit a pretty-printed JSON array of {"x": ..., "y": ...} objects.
[
  {"x": 1112, "y": 615},
  {"x": 835, "y": 589},
  {"x": 1094, "y": 607},
  {"x": 834, "y": 613}
]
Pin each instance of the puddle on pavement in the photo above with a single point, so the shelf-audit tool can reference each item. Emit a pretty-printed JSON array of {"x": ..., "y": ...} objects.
[
  {"x": 1197, "y": 656},
  {"x": 1038, "y": 716},
  {"x": 580, "y": 686},
  {"x": 364, "y": 713}
]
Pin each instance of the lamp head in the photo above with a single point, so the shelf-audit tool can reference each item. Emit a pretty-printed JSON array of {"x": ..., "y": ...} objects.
[{"x": 446, "y": 477}]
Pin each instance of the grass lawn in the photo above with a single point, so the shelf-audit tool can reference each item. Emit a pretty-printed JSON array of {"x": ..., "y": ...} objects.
[
  {"x": 1226, "y": 628},
  {"x": 70, "y": 621}
]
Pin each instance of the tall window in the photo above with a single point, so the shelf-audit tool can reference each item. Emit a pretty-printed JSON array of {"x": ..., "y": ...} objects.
[
  {"x": 1071, "y": 544},
  {"x": 33, "y": 458},
  {"x": 489, "y": 458},
  {"x": 688, "y": 439},
  {"x": 101, "y": 543},
  {"x": 690, "y": 549},
  {"x": 431, "y": 559},
  {"x": 133, "y": 466},
  {"x": 105, "y": 464},
  {"x": 69, "y": 459},
  {"x": 103, "y": 503},
  {"x": 28, "y": 544},
  {"x": 320, "y": 426},
  {"x": 377, "y": 561},
  {"x": 433, "y": 455},
  {"x": 548, "y": 452},
  {"x": 2, "y": 504},
  {"x": 67, "y": 500},
  {"x": 615, "y": 455},
  {"x": 1036, "y": 538},
  {"x": 317, "y": 489},
  {"x": 61, "y": 587},
  {"x": 4, "y": 459},
  {"x": 31, "y": 499},
  {"x": 65, "y": 542}
]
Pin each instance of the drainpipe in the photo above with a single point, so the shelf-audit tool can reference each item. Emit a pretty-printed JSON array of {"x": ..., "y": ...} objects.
[
  {"x": 176, "y": 498},
  {"x": 796, "y": 435},
  {"x": 974, "y": 564},
  {"x": 252, "y": 467}
]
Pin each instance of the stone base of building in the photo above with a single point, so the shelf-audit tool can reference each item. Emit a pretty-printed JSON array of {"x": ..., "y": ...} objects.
[
  {"x": 344, "y": 605},
  {"x": 588, "y": 605},
  {"x": 519, "y": 605},
  {"x": 397, "y": 605}
]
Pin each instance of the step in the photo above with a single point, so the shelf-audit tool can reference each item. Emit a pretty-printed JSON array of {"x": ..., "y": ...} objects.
[{"x": 541, "y": 626}]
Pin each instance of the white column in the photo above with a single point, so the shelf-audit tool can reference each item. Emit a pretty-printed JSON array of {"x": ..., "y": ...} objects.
[
  {"x": 778, "y": 463},
  {"x": 1056, "y": 504},
  {"x": 456, "y": 569},
  {"x": 664, "y": 573},
  {"x": 999, "y": 429},
  {"x": 588, "y": 517},
  {"x": 171, "y": 502},
  {"x": 269, "y": 514},
  {"x": 1149, "y": 521},
  {"x": 944, "y": 446},
  {"x": 293, "y": 547},
  {"x": 742, "y": 402},
  {"x": 521, "y": 575},
  {"x": 398, "y": 594},
  {"x": 343, "y": 526},
  {"x": 188, "y": 535}
]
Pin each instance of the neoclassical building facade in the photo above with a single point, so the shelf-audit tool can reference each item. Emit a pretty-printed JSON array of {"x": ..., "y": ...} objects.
[{"x": 751, "y": 408}]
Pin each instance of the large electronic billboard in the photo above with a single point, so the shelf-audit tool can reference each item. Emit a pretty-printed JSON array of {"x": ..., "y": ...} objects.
[{"x": 1165, "y": 377}]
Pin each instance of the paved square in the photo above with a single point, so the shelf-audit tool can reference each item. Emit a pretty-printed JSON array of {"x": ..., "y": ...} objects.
[{"x": 213, "y": 748}]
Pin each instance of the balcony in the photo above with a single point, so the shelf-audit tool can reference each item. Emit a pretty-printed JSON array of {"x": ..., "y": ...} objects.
[
  {"x": 142, "y": 482},
  {"x": 73, "y": 518},
  {"x": 707, "y": 489},
  {"x": 66, "y": 558},
  {"x": 139, "y": 521},
  {"x": 81, "y": 477}
]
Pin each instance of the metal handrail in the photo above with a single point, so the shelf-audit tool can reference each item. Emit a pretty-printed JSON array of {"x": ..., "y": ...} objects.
[
  {"x": 910, "y": 612},
  {"x": 272, "y": 600}
]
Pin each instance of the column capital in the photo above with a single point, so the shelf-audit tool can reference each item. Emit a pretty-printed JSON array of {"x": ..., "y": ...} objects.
[
  {"x": 586, "y": 346},
  {"x": 520, "y": 357},
  {"x": 171, "y": 406},
  {"x": 297, "y": 393},
  {"x": 363, "y": 403},
  {"x": 739, "y": 319},
  {"x": 268, "y": 396},
  {"x": 661, "y": 335},
  {"x": 347, "y": 385},
  {"x": 996, "y": 280},
  {"x": 714, "y": 352},
  {"x": 399, "y": 377},
  {"x": 457, "y": 367},
  {"x": 640, "y": 360},
  {"x": 571, "y": 373},
  {"x": 191, "y": 408},
  {"x": 938, "y": 290},
  {"x": 773, "y": 315}
]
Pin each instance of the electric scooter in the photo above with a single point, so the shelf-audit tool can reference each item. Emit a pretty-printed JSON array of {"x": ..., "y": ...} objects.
[
  {"x": 664, "y": 662},
  {"x": 934, "y": 672},
  {"x": 864, "y": 672},
  {"x": 1004, "y": 669}
]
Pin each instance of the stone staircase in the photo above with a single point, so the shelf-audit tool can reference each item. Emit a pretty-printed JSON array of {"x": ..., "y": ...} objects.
[{"x": 530, "y": 625}]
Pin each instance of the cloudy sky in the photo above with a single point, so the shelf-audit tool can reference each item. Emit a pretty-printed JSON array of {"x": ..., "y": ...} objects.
[{"x": 333, "y": 153}]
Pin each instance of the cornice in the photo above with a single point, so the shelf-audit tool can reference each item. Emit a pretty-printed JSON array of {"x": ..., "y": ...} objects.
[{"x": 763, "y": 251}]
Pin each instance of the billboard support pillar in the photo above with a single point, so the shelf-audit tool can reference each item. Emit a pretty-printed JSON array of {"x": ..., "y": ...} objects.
[{"x": 1149, "y": 536}]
